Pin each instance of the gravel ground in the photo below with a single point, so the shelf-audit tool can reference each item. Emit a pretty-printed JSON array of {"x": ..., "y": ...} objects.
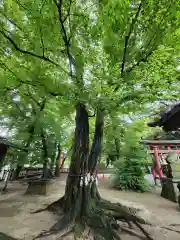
[{"x": 17, "y": 221}]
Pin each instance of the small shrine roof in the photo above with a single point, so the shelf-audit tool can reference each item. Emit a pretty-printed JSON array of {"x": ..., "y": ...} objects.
[
  {"x": 161, "y": 142},
  {"x": 169, "y": 119}
]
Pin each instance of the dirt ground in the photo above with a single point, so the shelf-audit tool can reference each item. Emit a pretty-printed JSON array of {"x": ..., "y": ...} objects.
[{"x": 17, "y": 221}]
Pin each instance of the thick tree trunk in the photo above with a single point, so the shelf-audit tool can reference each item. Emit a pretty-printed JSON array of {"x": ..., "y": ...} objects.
[
  {"x": 45, "y": 173},
  {"x": 57, "y": 167},
  {"x": 82, "y": 203},
  {"x": 76, "y": 185},
  {"x": 53, "y": 157},
  {"x": 95, "y": 153},
  {"x": 16, "y": 172},
  {"x": 117, "y": 144},
  {"x": 81, "y": 183},
  {"x": 3, "y": 151},
  {"x": 4, "y": 190}
]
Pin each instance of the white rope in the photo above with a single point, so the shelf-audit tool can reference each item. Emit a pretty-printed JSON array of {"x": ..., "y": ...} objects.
[{"x": 87, "y": 178}]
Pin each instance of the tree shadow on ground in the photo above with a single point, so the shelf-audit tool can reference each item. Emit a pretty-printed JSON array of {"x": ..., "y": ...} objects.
[{"x": 6, "y": 237}]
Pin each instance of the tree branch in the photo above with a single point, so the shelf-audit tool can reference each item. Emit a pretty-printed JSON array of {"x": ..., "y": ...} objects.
[
  {"x": 40, "y": 29},
  {"x": 134, "y": 20},
  {"x": 20, "y": 80},
  {"x": 43, "y": 4},
  {"x": 31, "y": 96},
  {"x": 20, "y": 5},
  {"x": 7, "y": 68},
  {"x": 43, "y": 103},
  {"x": 165, "y": 104},
  {"x": 145, "y": 55},
  {"x": 64, "y": 33},
  {"x": 31, "y": 128},
  {"x": 42, "y": 42},
  {"x": 6, "y": 89},
  {"x": 54, "y": 94},
  {"x": 18, "y": 107},
  {"x": 11, "y": 21},
  {"x": 136, "y": 64},
  {"x": 30, "y": 53},
  {"x": 68, "y": 12},
  {"x": 44, "y": 143},
  {"x": 143, "y": 59}
]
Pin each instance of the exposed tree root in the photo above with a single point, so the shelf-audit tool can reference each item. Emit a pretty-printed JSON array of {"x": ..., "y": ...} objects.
[
  {"x": 170, "y": 229},
  {"x": 4, "y": 191},
  {"x": 128, "y": 215},
  {"x": 132, "y": 232},
  {"x": 102, "y": 219},
  {"x": 64, "y": 226},
  {"x": 55, "y": 207},
  {"x": 121, "y": 212},
  {"x": 143, "y": 230},
  {"x": 103, "y": 225},
  {"x": 174, "y": 225}
]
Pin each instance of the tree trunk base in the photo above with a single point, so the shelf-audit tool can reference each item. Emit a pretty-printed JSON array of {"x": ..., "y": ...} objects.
[
  {"x": 57, "y": 171},
  {"x": 103, "y": 221},
  {"x": 4, "y": 190},
  {"x": 37, "y": 187},
  {"x": 168, "y": 191},
  {"x": 47, "y": 174}
]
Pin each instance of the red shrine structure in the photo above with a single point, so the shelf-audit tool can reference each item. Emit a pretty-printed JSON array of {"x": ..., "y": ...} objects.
[
  {"x": 169, "y": 121},
  {"x": 161, "y": 148}
]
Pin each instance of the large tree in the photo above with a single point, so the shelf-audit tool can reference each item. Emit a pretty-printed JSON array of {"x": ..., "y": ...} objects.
[
  {"x": 95, "y": 54},
  {"x": 34, "y": 123}
]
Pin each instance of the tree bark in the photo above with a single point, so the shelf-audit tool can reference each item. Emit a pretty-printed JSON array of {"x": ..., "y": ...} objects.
[
  {"x": 18, "y": 170},
  {"x": 81, "y": 181},
  {"x": 45, "y": 173},
  {"x": 53, "y": 157},
  {"x": 117, "y": 145},
  {"x": 76, "y": 181},
  {"x": 4, "y": 190},
  {"x": 57, "y": 167},
  {"x": 3, "y": 151},
  {"x": 95, "y": 153}
]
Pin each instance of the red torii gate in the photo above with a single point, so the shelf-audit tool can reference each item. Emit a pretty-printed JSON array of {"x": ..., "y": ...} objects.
[{"x": 154, "y": 146}]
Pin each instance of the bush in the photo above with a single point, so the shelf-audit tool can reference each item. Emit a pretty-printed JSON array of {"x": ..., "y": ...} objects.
[
  {"x": 101, "y": 166},
  {"x": 131, "y": 167}
]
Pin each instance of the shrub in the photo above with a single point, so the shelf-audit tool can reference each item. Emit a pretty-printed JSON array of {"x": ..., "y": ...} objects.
[
  {"x": 101, "y": 166},
  {"x": 131, "y": 167}
]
